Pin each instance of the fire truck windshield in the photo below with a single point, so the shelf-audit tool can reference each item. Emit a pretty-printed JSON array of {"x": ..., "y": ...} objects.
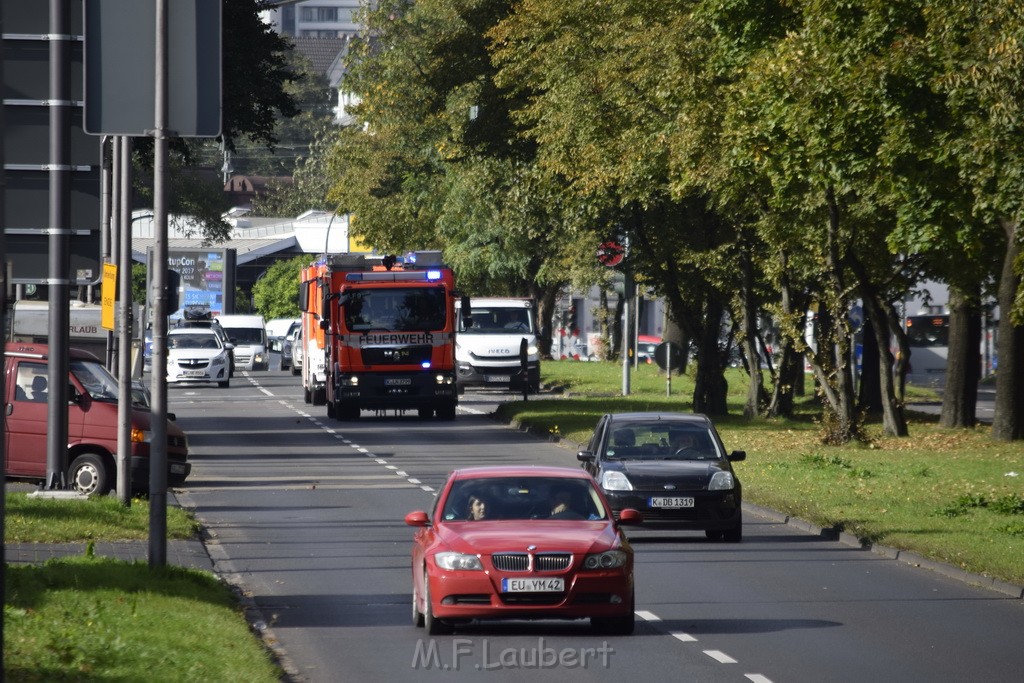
[{"x": 412, "y": 309}]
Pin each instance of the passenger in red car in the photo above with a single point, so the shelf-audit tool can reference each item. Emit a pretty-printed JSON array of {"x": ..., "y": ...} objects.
[{"x": 477, "y": 508}]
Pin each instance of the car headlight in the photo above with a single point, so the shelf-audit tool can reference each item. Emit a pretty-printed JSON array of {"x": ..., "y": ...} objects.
[
  {"x": 722, "y": 481},
  {"x": 615, "y": 481},
  {"x": 532, "y": 350},
  {"x": 458, "y": 561},
  {"x": 610, "y": 559}
]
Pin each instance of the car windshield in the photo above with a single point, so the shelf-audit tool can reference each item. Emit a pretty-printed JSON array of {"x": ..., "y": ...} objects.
[
  {"x": 246, "y": 335},
  {"x": 661, "y": 440},
  {"x": 498, "y": 321},
  {"x": 94, "y": 377},
  {"x": 396, "y": 310},
  {"x": 192, "y": 341},
  {"x": 523, "y": 498}
]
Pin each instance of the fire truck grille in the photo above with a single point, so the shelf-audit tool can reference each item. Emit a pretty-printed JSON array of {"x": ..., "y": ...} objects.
[{"x": 397, "y": 355}]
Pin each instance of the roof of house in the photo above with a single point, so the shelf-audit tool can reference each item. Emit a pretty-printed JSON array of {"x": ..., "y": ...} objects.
[{"x": 322, "y": 52}]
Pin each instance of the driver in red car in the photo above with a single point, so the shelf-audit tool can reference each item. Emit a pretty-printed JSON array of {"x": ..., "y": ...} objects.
[{"x": 477, "y": 508}]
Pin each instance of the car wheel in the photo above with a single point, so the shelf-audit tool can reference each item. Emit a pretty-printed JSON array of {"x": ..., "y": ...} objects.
[
  {"x": 284, "y": 366},
  {"x": 225, "y": 384},
  {"x": 295, "y": 371},
  {"x": 713, "y": 534},
  {"x": 90, "y": 475},
  {"x": 734, "y": 535},
  {"x": 434, "y": 626},
  {"x": 307, "y": 395},
  {"x": 617, "y": 626}
]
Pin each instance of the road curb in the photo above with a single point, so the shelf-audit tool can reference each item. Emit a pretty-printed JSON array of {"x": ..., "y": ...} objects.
[{"x": 830, "y": 533}]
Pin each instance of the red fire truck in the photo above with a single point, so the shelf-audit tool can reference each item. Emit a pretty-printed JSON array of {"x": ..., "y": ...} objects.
[{"x": 389, "y": 333}]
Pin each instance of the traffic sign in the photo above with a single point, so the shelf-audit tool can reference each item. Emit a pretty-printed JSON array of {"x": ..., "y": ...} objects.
[
  {"x": 668, "y": 355},
  {"x": 611, "y": 254}
]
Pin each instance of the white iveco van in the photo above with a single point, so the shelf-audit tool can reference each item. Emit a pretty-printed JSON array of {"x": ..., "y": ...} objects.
[
  {"x": 249, "y": 335},
  {"x": 487, "y": 352}
]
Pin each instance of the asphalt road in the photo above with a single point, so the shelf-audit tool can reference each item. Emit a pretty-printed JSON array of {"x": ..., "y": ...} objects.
[{"x": 305, "y": 515}]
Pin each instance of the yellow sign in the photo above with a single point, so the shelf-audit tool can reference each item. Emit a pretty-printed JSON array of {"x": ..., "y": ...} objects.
[{"x": 108, "y": 294}]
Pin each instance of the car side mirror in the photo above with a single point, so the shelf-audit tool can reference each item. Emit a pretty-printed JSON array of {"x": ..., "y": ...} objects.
[
  {"x": 584, "y": 456},
  {"x": 736, "y": 456},
  {"x": 417, "y": 518},
  {"x": 73, "y": 396},
  {"x": 229, "y": 346},
  {"x": 630, "y": 516}
]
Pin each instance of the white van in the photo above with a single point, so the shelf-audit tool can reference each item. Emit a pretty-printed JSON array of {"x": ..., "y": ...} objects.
[
  {"x": 487, "y": 352},
  {"x": 249, "y": 335}
]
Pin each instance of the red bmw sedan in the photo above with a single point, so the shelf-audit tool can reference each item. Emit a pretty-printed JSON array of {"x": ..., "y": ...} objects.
[{"x": 521, "y": 543}]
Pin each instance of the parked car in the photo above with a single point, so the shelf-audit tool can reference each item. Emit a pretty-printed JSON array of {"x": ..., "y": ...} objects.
[
  {"x": 197, "y": 355},
  {"x": 672, "y": 467},
  {"x": 521, "y": 543},
  {"x": 93, "y": 424}
]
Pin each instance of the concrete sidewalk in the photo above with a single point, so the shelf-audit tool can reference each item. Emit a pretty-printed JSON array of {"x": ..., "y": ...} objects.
[{"x": 189, "y": 553}]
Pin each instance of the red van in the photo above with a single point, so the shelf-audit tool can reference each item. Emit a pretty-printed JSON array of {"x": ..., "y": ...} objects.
[{"x": 92, "y": 424}]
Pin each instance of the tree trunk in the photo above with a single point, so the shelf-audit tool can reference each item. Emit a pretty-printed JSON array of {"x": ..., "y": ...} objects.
[
  {"x": 869, "y": 396},
  {"x": 752, "y": 407},
  {"x": 546, "y": 298},
  {"x": 963, "y": 360},
  {"x": 832, "y": 358},
  {"x": 1008, "y": 423},
  {"x": 674, "y": 333},
  {"x": 711, "y": 389},
  {"x": 894, "y": 422}
]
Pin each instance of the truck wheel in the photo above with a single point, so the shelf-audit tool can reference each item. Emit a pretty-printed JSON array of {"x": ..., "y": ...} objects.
[
  {"x": 347, "y": 411},
  {"x": 90, "y": 475},
  {"x": 446, "y": 412}
]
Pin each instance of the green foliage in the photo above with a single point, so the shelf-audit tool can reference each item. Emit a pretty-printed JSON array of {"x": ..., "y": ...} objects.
[
  {"x": 40, "y": 520},
  {"x": 275, "y": 295},
  {"x": 100, "y": 619}
]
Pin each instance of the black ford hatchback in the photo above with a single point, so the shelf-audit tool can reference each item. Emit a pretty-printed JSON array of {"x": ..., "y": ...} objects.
[{"x": 672, "y": 467}]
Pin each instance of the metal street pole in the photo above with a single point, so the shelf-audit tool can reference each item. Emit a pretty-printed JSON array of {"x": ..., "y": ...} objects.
[
  {"x": 124, "y": 311},
  {"x": 158, "y": 295},
  {"x": 59, "y": 278}
]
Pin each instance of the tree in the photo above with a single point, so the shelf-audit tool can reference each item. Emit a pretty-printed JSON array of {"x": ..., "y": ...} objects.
[{"x": 275, "y": 295}]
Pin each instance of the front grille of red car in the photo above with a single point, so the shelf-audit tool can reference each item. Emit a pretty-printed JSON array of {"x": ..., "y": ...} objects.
[
  {"x": 531, "y": 598},
  {"x": 525, "y": 562}
]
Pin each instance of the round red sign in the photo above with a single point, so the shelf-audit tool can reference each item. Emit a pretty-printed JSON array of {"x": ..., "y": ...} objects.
[{"x": 610, "y": 254}]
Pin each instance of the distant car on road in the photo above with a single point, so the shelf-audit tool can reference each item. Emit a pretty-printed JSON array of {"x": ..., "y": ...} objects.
[
  {"x": 197, "y": 355},
  {"x": 291, "y": 351},
  {"x": 672, "y": 467},
  {"x": 521, "y": 543}
]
